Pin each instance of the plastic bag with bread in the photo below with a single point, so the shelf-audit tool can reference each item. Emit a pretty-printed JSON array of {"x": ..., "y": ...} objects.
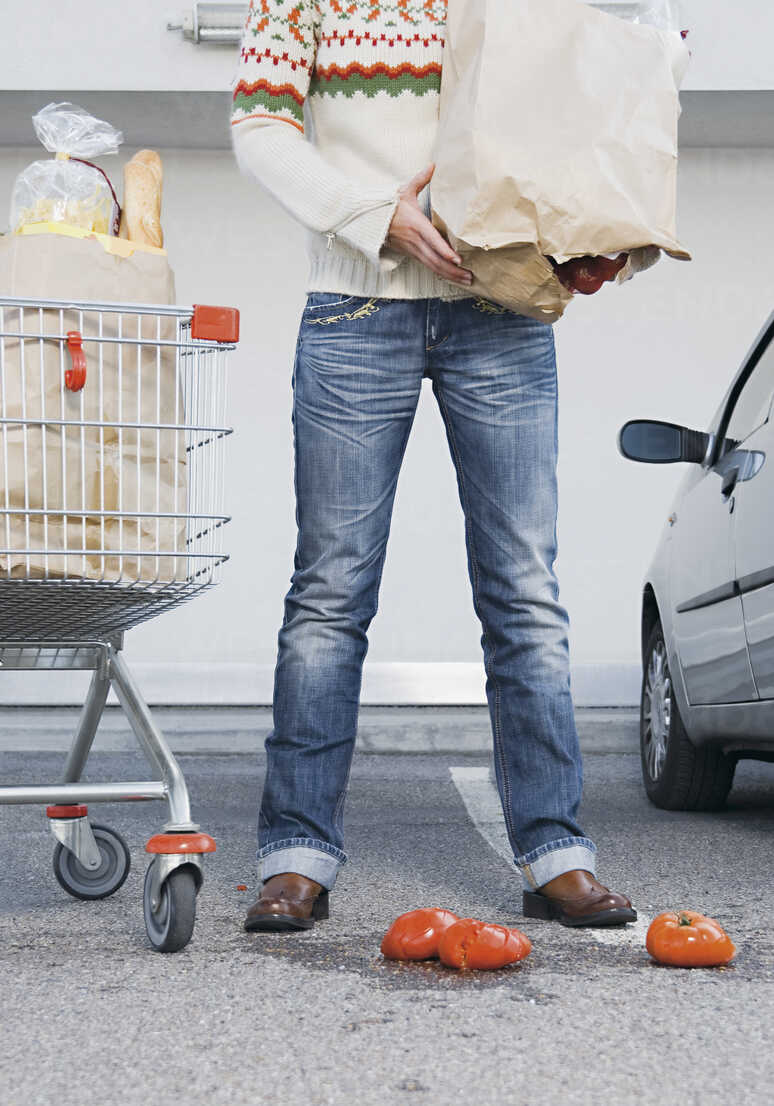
[
  {"x": 141, "y": 214},
  {"x": 68, "y": 188}
]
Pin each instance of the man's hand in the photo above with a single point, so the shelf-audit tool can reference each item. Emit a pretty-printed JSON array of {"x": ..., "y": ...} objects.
[{"x": 412, "y": 233}]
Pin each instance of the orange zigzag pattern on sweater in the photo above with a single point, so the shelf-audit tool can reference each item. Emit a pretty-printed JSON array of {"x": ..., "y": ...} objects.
[
  {"x": 356, "y": 69},
  {"x": 250, "y": 88}
]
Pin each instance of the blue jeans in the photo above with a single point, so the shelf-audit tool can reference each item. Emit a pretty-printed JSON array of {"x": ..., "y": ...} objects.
[{"x": 358, "y": 370}]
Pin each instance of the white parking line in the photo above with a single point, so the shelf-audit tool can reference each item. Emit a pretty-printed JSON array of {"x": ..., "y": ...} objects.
[{"x": 482, "y": 803}]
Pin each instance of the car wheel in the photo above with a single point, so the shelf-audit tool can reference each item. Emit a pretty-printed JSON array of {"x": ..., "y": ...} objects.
[{"x": 677, "y": 774}]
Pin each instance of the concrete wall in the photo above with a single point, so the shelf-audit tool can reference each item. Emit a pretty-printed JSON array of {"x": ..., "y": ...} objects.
[
  {"x": 76, "y": 46},
  {"x": 664, "y": 345}
]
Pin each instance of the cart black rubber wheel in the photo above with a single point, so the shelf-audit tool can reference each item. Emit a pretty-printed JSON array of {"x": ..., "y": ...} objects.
[
  {"x": 170, "y": 927},
  {"x": 103, "y": 881},
  {"x": 677, "y": 774}
]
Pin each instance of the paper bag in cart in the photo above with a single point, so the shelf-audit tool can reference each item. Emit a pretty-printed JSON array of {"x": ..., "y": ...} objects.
[
  {"x": 127, "y": 476},
  {"x": 557, "y": 138}
]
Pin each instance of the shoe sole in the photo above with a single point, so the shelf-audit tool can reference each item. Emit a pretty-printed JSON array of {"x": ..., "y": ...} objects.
[
  {"x": 538, "y": 906},
  {"x": 288, "y": 923},
  {"x": 277, "y": 923}
]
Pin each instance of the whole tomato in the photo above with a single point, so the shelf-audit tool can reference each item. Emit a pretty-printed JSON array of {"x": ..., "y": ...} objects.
[
  {"x": 482, "y": 945},
  {"x": 587, "y": 274},
  {"x": 415, "y": 935},
  {"x": 609, "y": 267},
  {"x": 687, "y": 939}
]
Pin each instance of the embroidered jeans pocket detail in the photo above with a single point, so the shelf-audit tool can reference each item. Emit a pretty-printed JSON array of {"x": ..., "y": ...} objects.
[
  {"x": 318, "y": 301},
  {"x": 489, "y": 308},
  {"x": 359, "y": 307}
]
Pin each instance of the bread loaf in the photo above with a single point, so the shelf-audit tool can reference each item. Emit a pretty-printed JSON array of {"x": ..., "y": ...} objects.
[{"x": 141, "y": 214}]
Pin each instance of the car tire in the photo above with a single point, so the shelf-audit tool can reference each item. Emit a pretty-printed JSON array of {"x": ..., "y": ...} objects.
[{"x": 677, "y": 774}]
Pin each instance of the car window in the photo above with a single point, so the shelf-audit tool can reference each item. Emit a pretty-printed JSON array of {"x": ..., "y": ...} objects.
[{"x": 754, "y": 402}]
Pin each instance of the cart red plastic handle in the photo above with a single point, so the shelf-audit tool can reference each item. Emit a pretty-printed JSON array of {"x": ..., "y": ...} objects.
[
  {"x": 75, "y": 377},
  {"x": 215, "y": 324}
]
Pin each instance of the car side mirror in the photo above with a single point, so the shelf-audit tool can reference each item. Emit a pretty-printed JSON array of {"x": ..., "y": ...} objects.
[{"x": 661, "y": 443}]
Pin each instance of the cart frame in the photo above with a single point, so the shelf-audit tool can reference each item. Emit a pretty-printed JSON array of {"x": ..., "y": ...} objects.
[{"x": 92, "y": 861}]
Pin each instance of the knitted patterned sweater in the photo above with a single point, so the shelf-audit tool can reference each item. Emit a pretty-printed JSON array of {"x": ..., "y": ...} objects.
[{"x": 335, "y": 107}]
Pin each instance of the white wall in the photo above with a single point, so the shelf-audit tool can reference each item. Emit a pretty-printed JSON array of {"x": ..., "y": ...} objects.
[
  {"x": 77, "y": 45},
  {"x": 664, "y": 345},
  {"x": 731, "y": 44}
]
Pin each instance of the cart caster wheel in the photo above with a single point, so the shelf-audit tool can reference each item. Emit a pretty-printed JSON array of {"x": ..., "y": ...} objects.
[
  {"x": 170, "y": 927},
  {"x": 81, "y": 882}
]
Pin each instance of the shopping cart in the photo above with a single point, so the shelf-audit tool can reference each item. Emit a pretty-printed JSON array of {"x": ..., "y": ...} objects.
[{"x": 112, "y": 443}]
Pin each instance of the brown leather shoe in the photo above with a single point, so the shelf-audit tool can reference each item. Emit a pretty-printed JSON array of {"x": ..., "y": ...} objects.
[
  {"x": 287, "y": 902},
  {"x": 577, "y": 899}
]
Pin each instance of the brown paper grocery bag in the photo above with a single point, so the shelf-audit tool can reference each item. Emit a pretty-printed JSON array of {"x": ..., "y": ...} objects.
[
  {"x": 129, "y": 474},
  {"x": 557, "y": 137}
]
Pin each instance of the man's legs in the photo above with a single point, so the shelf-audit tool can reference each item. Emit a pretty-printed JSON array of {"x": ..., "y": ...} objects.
[
  {"x": 356, "y": 382},
  {"x": 494, "y": 377}
]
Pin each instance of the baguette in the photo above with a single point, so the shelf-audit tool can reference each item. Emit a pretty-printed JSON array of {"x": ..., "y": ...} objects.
[{"x": 141, "y": 213}]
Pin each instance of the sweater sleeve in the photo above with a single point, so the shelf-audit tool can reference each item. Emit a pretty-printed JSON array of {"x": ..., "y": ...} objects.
[{"x": 277, "y": 56}]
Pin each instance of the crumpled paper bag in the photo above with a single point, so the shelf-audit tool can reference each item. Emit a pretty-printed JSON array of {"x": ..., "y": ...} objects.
[
  {"x": 557, "y": 137},
  {"x": 63, "y": 468}
]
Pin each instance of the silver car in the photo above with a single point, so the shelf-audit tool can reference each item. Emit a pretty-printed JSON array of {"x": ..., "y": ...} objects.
[{"x": 708, "y": 597}]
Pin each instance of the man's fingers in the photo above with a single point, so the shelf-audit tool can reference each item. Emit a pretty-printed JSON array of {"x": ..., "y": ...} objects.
[
  {"x": 439, "y": 264},
  {"x": 418, "y": 182},
  {"x": 443, "y": 268},
  {"x": 438, "y": 243},
  {"x": 413, "y": 233}
]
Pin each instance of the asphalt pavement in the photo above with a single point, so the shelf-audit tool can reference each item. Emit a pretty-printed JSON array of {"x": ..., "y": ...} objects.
[{"x": 92, "y": 1013}]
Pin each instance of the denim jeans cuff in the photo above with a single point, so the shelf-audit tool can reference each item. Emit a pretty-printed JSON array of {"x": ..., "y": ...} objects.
[
  {"x": 554, "y": 859},
  {"x": 316, "y": 860}
]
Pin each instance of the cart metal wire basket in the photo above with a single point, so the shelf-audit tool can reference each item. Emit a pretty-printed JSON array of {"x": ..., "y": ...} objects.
[{"x": 112, "y": 466}]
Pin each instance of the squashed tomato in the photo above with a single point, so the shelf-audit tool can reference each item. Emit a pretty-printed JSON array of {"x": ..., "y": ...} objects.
[
  {"x": 482, "y": 945},
  {"x": 687, "y": 939},
  {"x": 415, "y": 935}
]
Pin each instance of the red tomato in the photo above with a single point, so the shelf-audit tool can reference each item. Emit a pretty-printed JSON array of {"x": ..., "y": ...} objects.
[
  {"x": 609, "y": 267},
  {"x": 584, "y": 279},
  {"x": 688, "y": 939},
  {"x": 587, "y": 274},
  {"x": 415, "y": 935},
  {"x": 482, "y": 945}
]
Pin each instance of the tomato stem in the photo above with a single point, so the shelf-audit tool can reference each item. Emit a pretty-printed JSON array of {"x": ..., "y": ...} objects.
[{"x": 683, "y": 920}]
